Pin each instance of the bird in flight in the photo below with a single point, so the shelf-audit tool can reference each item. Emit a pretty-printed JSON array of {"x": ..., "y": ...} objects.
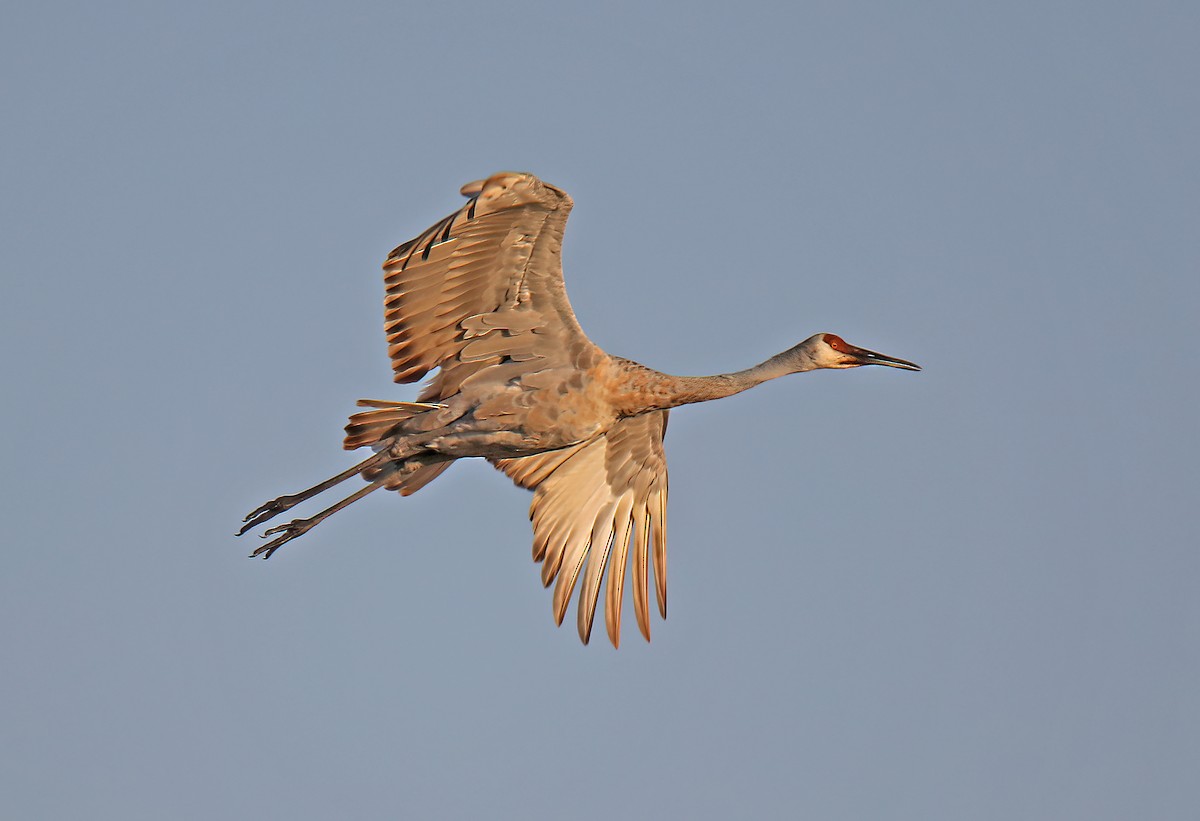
[{"x": 479, "y": 298}]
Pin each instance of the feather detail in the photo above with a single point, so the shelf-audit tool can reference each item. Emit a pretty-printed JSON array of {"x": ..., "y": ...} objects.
[
  {"x": 616, "y": 572},
  {"x": 601, "y": 541}
]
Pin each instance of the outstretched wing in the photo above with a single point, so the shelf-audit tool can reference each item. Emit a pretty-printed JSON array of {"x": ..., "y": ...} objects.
[
  {"x": 482, "y": 285},
  {"x": 590, "y": 501}
]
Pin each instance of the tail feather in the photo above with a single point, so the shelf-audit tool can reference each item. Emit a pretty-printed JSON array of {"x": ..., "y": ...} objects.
[{"x": 373, "y": 426}]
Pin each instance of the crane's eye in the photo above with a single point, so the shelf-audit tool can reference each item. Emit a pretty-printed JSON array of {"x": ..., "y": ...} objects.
[{"x": 836, "y": 342}]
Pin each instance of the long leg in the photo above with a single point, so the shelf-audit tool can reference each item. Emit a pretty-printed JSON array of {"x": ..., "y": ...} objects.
[
  {"x": 298, "y": 527},
  {"x": 273, "y": 508}
]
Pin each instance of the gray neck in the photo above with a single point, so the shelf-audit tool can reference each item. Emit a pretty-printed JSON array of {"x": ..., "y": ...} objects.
[{"x": 673, "y": 391}]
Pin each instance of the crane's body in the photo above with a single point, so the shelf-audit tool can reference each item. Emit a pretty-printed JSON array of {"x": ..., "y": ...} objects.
[{"x": 479, "y": 297}]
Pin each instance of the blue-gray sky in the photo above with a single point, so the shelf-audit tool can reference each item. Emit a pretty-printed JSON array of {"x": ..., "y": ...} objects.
[{"x": 964, "y": 593}]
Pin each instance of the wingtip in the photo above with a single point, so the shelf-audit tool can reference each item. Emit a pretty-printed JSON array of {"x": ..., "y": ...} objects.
[
  {"x": 472, "y": 188},
  {"x": 612, "y": 625}
]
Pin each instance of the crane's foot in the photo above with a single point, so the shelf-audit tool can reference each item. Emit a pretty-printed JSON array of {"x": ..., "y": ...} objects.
[
  {"x": 289, "y": 531},
  {"x": 270, "y": 510},
  {"x": 298, "y": 527},
  {"x": 274, "y": 507}
]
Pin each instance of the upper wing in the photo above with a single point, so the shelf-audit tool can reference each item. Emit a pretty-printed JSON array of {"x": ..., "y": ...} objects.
[
  {"x": 589, "y": 501},
  {"x": 483, "y": 284}
]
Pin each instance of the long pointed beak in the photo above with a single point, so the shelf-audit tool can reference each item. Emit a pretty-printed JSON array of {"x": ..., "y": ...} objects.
[{"x": 866, "y": 357}]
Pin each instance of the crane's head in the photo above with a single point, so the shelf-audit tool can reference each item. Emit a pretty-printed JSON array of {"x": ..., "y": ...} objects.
[{"x": 831, "y": 351}]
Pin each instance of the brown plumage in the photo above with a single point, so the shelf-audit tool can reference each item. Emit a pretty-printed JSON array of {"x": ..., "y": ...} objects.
[{"x": 479, "y": 297}]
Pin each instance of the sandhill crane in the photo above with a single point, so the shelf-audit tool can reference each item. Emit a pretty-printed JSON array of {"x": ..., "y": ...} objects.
[{"x": 479, "y": 296}]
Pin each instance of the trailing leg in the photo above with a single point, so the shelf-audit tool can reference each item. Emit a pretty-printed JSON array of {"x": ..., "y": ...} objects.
[
  {"x": 273, "y": 508},
  {"x": 298, "y": 527}
]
